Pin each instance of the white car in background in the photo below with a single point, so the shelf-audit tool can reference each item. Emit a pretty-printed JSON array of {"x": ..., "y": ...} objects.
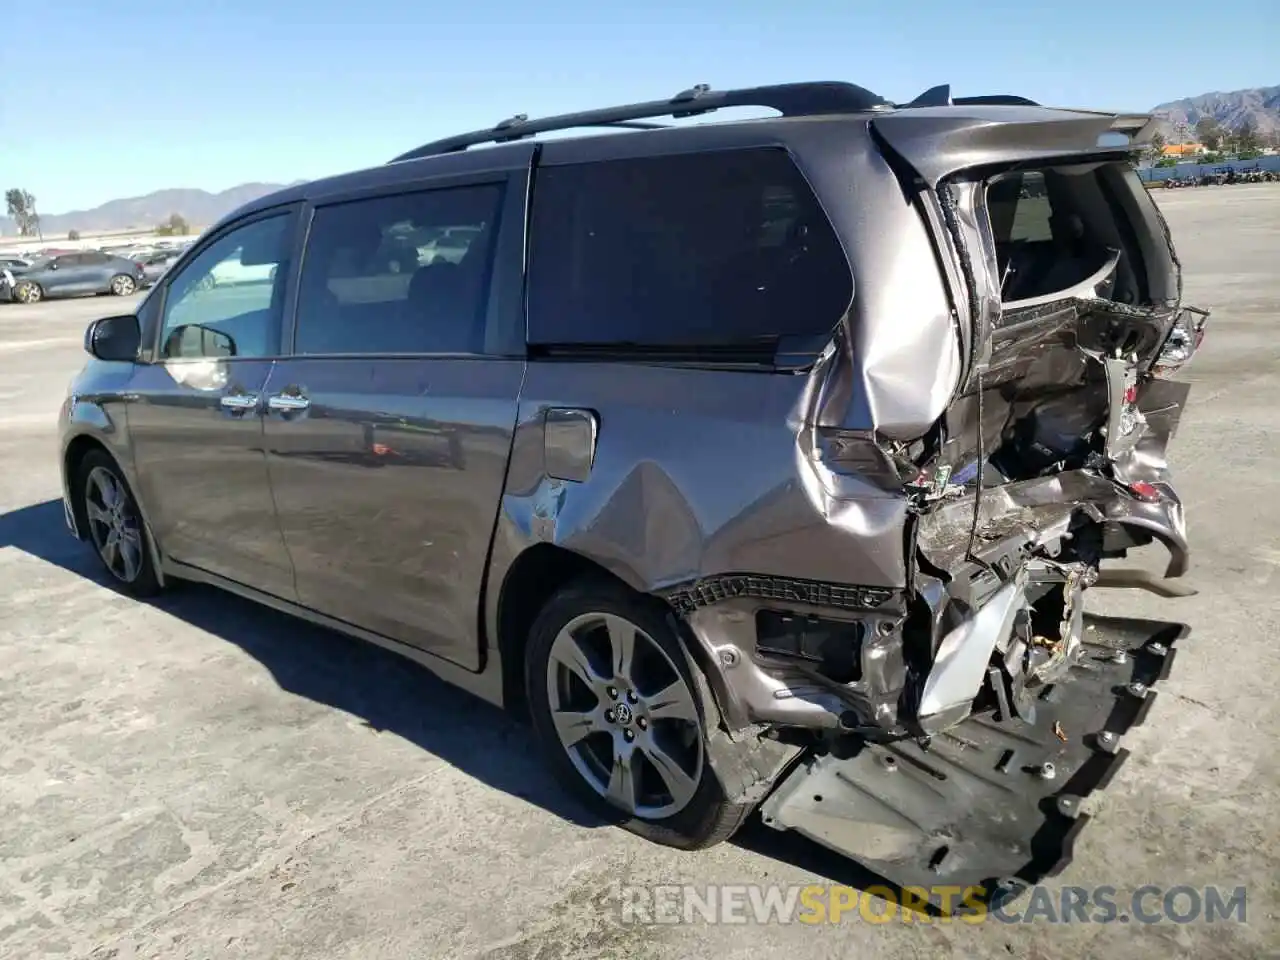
[{"x": 231, "y": 272}]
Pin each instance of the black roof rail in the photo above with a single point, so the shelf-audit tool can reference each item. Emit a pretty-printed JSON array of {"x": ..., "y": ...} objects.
[
  {"x": 940, "y": 96},
  {"x": 788, "y": 99},
  {"x": 997, "y": 100}
]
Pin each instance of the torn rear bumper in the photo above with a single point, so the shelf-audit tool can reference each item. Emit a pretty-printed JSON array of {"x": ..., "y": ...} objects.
[{"x": 994, "y": 801}]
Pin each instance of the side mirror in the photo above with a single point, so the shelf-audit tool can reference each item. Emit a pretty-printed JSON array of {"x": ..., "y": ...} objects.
[
  {"x": 53, "y": 265},
  {"x": 114, "y": 338}
]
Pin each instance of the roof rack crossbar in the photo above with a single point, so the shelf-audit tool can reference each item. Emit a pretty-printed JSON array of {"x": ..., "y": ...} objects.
[
  {"x": 788, "y": 99},
  {"x": 616, "y": 125}
]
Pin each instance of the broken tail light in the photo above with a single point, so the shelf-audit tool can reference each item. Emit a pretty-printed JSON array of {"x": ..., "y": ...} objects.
[
  {"x": 1146, "y": 492},
  {"x": 1183, "y": 341}
]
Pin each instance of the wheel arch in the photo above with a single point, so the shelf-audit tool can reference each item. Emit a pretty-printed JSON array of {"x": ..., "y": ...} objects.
[
  {"x": 79, "y": 447},
  {"x": 531, "y": 581},
  {"x": 72, "y": 457}
]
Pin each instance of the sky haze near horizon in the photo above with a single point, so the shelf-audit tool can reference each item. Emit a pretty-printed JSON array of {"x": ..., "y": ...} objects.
[{"x": 136, "y": 97}]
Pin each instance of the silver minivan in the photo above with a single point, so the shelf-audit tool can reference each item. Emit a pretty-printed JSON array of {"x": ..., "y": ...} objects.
[{"x": 766, "y": 465}]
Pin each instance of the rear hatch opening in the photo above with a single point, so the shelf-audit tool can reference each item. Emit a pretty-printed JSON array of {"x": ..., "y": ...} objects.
[
  {"x": 1083, "y": 313},
  {"x": 1052, "y": 455},
  {"x": 1088, "y": 291}
]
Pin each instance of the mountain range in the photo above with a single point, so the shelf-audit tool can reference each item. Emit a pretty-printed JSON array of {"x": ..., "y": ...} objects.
[
  {"x": 198, "y": 207},
  {"x": 1259, "y": 106}
]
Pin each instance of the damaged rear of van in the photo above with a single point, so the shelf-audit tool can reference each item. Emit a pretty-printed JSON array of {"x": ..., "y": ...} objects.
[
  {"x": 1051, "y": 380},
  {"x": 870, "y": 397}
]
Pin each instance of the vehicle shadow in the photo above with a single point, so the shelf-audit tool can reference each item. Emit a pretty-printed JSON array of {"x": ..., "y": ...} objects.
[{"x": 386, "y": 691}]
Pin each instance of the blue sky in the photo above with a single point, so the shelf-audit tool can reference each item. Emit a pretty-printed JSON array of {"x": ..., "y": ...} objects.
[{"x": 115, "y": 99}]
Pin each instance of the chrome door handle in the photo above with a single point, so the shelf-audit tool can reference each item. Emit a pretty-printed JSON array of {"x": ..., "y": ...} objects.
[
  {"x": 288, "y": 403},
  {"x": 239, "y": 402}
]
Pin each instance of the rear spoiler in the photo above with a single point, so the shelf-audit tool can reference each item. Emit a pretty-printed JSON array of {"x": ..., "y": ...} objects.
[
  {"x": 940, "y": 141},
  {"x": 1139, "y": 127}
]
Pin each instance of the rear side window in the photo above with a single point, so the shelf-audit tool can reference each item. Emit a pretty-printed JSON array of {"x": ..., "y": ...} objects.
[
  {"x": 1057, "y": 226},
  {"x": 401, "y": 274},
  {"x": 713, "y": 248}
]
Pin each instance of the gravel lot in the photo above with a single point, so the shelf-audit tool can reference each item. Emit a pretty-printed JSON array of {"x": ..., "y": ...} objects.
[{"x": 202, "y": 778}]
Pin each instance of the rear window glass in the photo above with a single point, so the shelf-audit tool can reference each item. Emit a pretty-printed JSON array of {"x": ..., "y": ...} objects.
[
  {"x": 709, "y": 248},
  {"x": 1056, "y": 227}
]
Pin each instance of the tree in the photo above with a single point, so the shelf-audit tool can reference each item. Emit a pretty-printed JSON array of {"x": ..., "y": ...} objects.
[
  {"x": 1246, "y": 137},
  {"x": 1210, "y": 133},
  {"x": 22, "y": 208},
  {"x": 1155, "y": 149},
  {"x": 175, "y": 226},
  {"x": 73, "y": 235}
]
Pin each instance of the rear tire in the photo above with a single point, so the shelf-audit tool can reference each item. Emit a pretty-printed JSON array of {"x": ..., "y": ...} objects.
[
  {"x": 114, "y": 524},
  {"x": 122, "y": 285},
  {"x": 618, "y": 715}
]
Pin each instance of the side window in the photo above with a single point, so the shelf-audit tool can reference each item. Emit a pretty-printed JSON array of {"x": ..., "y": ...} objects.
[
  {"x": 707, "y": 248},
  {"x": 227, "y": 301},
  {"x": 94, "y": 259},
  {"x": 400, "y": 274},
  {"x": 68, "y": 260}
]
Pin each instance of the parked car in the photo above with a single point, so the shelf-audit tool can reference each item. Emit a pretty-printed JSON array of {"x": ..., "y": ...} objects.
[
  {"x": 156, "y": 263},
  {"x": 73, "y": 274},
  {"x": 14, "y": 263},
  {"x": 450, "y": 244},
  {"x": 232, "y": 272},
  {"x": 764, "y": 465}
]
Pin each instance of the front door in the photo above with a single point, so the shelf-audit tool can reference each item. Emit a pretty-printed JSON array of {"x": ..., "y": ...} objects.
[
  {"x": 389, "y": 428},
  {"x": 67, "y": 274},
  {"x": 196, "y": 413}
]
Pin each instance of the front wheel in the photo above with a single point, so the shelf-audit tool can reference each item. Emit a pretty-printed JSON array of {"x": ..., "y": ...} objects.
[
  {"x": 122, "y": 285},
  {"x": 28, "y": 292},
  {"x": 115, "y": 525},
  {"x": 616, "y": 709}
]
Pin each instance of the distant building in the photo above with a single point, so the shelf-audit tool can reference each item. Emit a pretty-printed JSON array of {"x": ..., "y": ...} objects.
[{"x": 1184, "y": 149}]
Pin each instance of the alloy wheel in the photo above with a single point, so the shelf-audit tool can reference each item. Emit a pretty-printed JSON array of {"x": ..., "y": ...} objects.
[
  {"x": 29, "y": 293},
  {"x": 625, "y": 715},
  {"x": 114, "y": 524},
  {"x": 122, "y": 286}
]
